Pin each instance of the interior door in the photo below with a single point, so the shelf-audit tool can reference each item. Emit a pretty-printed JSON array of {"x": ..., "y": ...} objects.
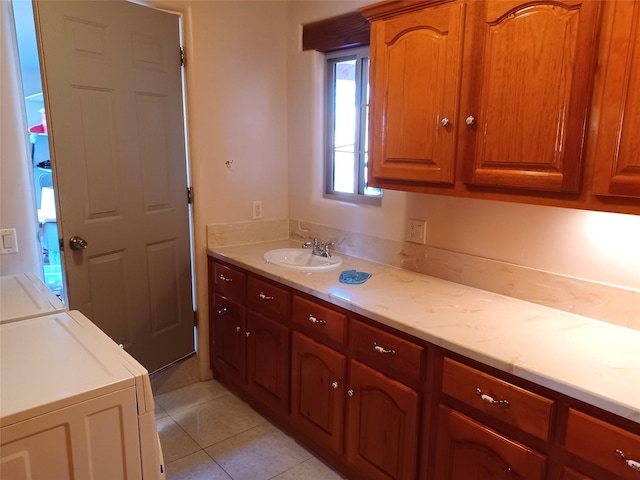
[{"x": 112, "y": 83}]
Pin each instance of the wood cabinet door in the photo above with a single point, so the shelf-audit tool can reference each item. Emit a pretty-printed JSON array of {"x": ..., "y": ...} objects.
[
  {"x": 268, "y": 366},
  {"x": 317, "y": 391},
  {"x": 570, "y": 474},
  {"x": 382, "y": 431},
  {"x": 617, "y": 170},
  {"x": 415, "y": 77},
  {"x": 228, "y": 339},
  {"x": 468, "y": 450},
  {"x": 528, "y": 69}
]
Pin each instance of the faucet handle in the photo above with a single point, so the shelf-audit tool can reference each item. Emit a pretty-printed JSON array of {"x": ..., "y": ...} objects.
[{"x": 326, "y": 247}]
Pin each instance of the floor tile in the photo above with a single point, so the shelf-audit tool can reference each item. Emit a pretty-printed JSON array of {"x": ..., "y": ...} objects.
[
  {"x": 180, "y": 374},
  {"x": 218, "y": 419},
  {"x": 174, "y": 440},
  {"x": 312, "y": 469},
  {"x": 258, "y": 454},
  {"x": 197, "y": 466},
  {"x": 158, "y": 411},
  {"x": 190, "y": 396}
]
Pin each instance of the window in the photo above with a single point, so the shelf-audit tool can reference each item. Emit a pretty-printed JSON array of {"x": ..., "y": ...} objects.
[{"x": 347, "y": 120}]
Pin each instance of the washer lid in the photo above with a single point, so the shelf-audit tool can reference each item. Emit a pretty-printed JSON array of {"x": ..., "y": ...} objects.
[
  {"x": 51, "y": 362},
  {"x": 26, "y": 296}
]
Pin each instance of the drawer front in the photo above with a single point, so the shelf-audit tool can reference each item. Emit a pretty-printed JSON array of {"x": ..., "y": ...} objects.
[
  {"x": 266, "y": 298},
  {"x": 318, "y": 321},
  {"x": 521, "y": 408},
  {"x": 385, "y": 352},
  {"x": 229, "y": 281},
  {"x": 604, "y": 445}
]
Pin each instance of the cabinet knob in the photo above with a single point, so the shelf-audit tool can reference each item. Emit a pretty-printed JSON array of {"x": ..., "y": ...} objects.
[
  {"x": 489, "y": 399},
  {"x": 237, "y": 329},
  {"x": 335, "y": 385},
  {"x": 247, "y": 333},
  {"x": 630, "y": 463},
  {"x": 470, "y": 120},
  {"x": 350, "y": 392},
  {"x": 445, "y": 122}
]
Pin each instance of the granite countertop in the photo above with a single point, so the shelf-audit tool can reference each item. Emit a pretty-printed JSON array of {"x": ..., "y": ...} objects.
[{"x": 593, "y": 361}]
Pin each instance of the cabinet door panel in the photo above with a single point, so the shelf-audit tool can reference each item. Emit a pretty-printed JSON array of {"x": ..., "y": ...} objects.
[
  {"x": 529, "y": 74},
  {"x": 618, "y": 162},
  {"x": 383, "y": 425},
  {"x": 468, "y": 450},
  {"x": 415, "y": 83},
  {"x": 228, "y": 345},
  {"x": 268, "y": 357},
  {"x": 317, "y": 391}
]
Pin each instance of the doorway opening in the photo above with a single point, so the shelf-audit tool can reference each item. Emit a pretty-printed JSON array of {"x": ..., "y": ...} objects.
[{"x": 40, "y": 158}]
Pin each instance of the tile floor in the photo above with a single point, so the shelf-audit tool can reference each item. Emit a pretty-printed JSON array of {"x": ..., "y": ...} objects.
[{"x": 208, "y": 433}]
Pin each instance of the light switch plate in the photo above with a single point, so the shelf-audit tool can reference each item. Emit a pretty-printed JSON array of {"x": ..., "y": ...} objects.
[
  {"x": 9, "y": 241},
  {"x": 417, "y": 231}
]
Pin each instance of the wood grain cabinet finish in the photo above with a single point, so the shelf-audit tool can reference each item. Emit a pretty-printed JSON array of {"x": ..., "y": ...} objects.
[
  {"x": 266, "y": 298},
  {"x": 614, "y": 449},
  {"x": 528, "y": 411},
  {"x": 618, "y": 142},
  {"x": 415, "y": 78},
  {"x": 228, "y": 350},
  {"x": 570, "y": 474},
  {"x": 383, "y": 425},
  {"x": 499, "y": 88},
  {"x": 229, "y": 281},
  {"x": 468, "y": 450},
  {"x": 318, "y": 321},
  {"x": 268, "y": 366},
  {"x": 527, "y": 77},
  {"x": 318, "y": 392}
]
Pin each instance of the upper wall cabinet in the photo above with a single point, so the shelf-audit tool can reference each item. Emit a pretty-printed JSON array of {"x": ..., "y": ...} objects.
[
  {"x": 487, "y": 93},
  {"x": 618, "y": 143},
  {"x": 415, "y": 83}
]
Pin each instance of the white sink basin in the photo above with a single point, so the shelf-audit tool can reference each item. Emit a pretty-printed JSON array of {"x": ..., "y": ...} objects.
[{"x": 299, "y": 259}]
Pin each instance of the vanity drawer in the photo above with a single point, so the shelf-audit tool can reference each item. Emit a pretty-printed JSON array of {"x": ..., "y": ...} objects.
[
  {"x": 504, "y": 401},
  {"x": 229, "y": 282},
  {"x": 603, "y": 444},
  {"x": 266, "y": 298},
  {"x": 386, "y": 352},
  {"x": 318, "y": 321}
]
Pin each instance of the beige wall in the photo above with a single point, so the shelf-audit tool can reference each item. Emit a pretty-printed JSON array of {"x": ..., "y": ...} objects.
[{"x": 597, "y": 246}]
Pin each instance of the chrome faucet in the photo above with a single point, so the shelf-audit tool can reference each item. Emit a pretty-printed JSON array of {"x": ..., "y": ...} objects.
[{"x": 322, "y": 249}]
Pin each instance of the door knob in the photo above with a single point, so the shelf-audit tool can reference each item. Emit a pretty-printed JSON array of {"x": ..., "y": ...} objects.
[{"x": 77, "y": 243}]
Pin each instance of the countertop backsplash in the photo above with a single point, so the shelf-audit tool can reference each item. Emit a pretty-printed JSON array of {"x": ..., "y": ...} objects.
[{"x": 608, "y": 303}]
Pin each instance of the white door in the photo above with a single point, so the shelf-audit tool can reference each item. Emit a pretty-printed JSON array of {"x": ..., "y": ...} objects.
[{"x": 112, "y": 79}]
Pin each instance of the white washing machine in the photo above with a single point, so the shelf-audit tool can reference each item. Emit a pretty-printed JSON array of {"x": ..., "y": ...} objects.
[
  {"x": 26, "y": 296},
  {"x": 73, "y": 405}
]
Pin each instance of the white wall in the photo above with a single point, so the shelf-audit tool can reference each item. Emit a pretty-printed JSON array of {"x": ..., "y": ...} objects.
[
  {"x": 17, "y": 204},
  {"x": 597, "y": 246}
]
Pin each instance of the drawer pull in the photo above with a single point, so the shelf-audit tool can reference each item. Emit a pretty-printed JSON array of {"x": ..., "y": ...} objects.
[
  {"x": 630, "y": 463},
  {"x": 313, "y": 319},
  {"x": 381, "y": 349},
  {"x": 225, "y": 279},
  {"x": 222, "y": 310},
  {"x": 490, "y": 399},
  {"x": 350, "y": 392},
  {"x": 266, "y": 297},
  {"x": 335, "y": 385}
]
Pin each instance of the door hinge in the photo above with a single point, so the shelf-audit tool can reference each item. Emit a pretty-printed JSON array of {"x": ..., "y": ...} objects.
[
  {"x": 189, "y": 196},
  {"x": 195, "y": 318},
  {"x": 182, "y": 56}
]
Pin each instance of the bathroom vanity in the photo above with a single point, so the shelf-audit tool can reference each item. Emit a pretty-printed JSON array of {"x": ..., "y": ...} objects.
[{"x": 407, "y": 376}]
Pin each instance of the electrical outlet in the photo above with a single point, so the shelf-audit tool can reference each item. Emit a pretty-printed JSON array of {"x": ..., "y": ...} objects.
[
  {"x": 417, "y": 231},
  {"x": 257, "y": 209}
]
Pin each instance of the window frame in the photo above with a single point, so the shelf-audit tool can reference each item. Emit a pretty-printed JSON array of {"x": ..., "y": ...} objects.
[{"x": 360, "y": 146}]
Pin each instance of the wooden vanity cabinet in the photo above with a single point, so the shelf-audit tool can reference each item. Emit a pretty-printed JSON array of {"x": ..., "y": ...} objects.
[{"x": 469, "y": 450}]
